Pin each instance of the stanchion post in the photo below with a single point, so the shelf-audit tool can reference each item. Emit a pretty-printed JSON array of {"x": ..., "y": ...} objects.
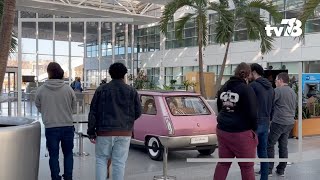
[
  {"x": 80, "y": 153},
  {"x": 165, "y": 168}
]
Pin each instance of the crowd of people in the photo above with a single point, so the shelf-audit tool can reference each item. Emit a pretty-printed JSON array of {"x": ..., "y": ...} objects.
[{"x": 252, "y": 118}]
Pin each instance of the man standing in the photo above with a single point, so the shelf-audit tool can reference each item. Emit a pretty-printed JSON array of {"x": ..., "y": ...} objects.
[
  {"x": 264, "y": 92},
  {"x": 285, "y": 102},
  {"x": 114, "y": 108},
  {"x": 56, "y": 102}
]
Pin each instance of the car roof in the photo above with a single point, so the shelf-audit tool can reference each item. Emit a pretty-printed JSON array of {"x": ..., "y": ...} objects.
[{"x": 167, "y": 93}]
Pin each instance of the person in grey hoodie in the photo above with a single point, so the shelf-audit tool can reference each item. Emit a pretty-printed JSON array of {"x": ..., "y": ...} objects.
[
  {"x": 284, "y": 107},
  {"x": 264, "y": 92},
  {"x": 56, "y": 101}
]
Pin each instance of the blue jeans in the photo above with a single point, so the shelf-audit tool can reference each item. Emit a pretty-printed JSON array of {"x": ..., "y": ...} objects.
[
  {"x": 115, "y": 148},
  {"x": 262, "y": 132},
  {"x": 54, "y": 136}
]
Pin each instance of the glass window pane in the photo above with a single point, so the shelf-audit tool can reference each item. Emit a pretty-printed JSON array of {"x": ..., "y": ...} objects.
[
  {"x": 62, "y": 38},
  {"x": 28, "y": 37},
  {"x": 45, "y": 38},
  {"x": 77, "y": 35}
]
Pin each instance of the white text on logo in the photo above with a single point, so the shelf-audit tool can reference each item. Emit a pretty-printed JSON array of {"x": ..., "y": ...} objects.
[{"x": 293, "y": 28}]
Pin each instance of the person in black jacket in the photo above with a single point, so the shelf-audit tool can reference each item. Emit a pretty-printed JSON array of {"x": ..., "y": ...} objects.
[
  {"x": 114, "y": 108},
  {"x": 264, "y": 92},
  {"x": 237, "y": 121}
]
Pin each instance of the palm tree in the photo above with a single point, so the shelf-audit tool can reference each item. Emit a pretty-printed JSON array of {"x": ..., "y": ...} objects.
[
  {"x": 200, "y": 10},
  {"x": 246, "y": 12},
  {"x": 7, "y": 12},
  {"x": 308, "y": 10}
]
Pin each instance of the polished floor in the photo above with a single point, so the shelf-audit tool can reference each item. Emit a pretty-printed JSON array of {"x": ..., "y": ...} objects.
[{"x": 141, "y": 167}]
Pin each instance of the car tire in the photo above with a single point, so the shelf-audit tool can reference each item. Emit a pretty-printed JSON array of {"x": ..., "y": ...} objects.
[
  {"x": 207, "y": 151},
  {"x": 154, "y": 153}
]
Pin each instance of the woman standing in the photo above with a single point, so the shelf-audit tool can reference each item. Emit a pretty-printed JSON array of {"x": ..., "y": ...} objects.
[{"x": 237, "y": 121}]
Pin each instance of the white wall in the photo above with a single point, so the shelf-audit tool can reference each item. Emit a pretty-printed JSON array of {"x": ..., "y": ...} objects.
[{"x": 286, "y": 49}]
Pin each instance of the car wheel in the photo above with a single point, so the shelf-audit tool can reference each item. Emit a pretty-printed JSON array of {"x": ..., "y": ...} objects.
[
  {"x": 207, "y": 151},
  {"x": 153, "y": 145}
]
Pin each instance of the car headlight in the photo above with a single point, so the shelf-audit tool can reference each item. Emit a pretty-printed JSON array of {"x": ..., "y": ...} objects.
[{"x": 169, "y": 125}]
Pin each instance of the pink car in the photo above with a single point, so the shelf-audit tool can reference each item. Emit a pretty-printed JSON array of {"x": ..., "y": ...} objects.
[{"x": 184, "y": 119}]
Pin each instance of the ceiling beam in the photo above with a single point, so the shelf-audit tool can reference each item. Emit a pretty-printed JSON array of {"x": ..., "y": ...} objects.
[{"x": 81, "y": 11}]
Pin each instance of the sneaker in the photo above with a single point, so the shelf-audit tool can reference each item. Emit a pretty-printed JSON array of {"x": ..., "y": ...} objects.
[
  {"x": 270, "y": 174},
  {"x": 280, "y": 173}
]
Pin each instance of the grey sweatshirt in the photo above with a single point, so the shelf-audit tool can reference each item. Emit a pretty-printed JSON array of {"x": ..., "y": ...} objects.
[
  {"x": 56, "y": 101},
  {"x": 284, "y": 108}
]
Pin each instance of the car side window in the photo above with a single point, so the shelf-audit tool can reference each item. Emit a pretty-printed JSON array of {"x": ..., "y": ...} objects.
[{"x": 148, "y": 105}]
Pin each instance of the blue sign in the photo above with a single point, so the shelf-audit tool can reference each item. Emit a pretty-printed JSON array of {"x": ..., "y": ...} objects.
[{"x": 310, "y": 78}]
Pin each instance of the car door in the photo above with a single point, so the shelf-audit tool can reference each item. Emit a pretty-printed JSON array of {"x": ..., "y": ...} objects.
[{"x": 148, "y": 118}]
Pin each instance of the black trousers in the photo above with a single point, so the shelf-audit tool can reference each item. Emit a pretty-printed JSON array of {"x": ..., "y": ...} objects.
[{"x": 278, "y": 133}]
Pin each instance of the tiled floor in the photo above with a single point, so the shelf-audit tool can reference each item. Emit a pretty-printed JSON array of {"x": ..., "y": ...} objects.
[{"x": 141, "y": 167}]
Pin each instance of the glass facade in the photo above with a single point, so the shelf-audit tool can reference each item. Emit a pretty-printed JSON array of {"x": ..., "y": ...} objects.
[{"x": 149, "y": 39}]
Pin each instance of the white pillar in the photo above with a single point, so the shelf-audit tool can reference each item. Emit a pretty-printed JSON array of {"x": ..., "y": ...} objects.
[
  {"x": 85, "y": 53},
  {"x": 19, "y": 65},
  {"x": 99, "y": 52},
  {"x": 37, "y": 50},
  {"x": 126, "y": 39},
  {"x": 300, "y": 111},
  {"x": 113, "y": 41},
  {"x": 54, "y": 39},
  {"x": 70, "y": 68},
  {"x": 132, "y": 52}
]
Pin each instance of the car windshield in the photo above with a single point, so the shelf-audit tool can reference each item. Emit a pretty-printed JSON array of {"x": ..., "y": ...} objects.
[{"x": 187, "y": 105}]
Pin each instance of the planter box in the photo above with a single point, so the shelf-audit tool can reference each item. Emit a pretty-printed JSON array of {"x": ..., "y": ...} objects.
[{"x": 310, "y": 127}]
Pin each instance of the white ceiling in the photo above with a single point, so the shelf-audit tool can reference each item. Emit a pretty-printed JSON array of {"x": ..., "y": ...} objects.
[{"x": 142, "y": 11}]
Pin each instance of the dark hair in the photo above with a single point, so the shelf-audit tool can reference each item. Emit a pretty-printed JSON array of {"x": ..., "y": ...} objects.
[
  {"x": 257, "y": 68},
  {"x": 284, "y": 76},
  {"x": 117, "y": 71},
  {"x": 242, "y": 71},
  {"x": 55, "y": 71}
]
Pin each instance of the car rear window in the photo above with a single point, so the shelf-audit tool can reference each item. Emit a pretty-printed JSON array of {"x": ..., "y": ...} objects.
[{"x": 187, "y": 105}]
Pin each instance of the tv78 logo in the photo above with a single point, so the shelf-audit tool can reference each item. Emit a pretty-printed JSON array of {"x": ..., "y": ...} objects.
[{"x": 293, "y": 28}]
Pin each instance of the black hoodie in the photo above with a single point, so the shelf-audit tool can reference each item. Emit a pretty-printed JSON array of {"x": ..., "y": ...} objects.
[
  {"x": 236, "y": 106},
  {"x": 264, "y": 93}
]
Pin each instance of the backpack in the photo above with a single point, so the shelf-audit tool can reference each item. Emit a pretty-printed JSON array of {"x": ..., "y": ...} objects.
[{"x": 73, "y": 85}]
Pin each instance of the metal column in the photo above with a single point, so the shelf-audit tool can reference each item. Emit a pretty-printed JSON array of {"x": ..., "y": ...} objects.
[
  {"x": 37, "y": 50},
  {"x": 70, "y": 68},
  {"x": 99, "y": 52},
  {"x": 85, "y": 53},
  {"x": 19, "y": 64},
  {"x": 113, "y": 41},
  {"x": 132, "y": 51},
  {"x": 126, "y": 39},
  {"x": 54, "y": 39}
]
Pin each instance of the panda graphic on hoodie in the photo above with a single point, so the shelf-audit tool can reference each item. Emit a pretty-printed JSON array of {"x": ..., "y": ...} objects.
[{"x": 229, "y": 100}]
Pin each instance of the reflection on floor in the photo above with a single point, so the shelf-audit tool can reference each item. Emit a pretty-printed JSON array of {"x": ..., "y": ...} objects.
[{"x": 141, "y": 167}]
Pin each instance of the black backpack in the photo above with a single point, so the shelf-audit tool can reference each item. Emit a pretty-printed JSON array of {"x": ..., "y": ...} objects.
[{"x": 73, "y": 84}]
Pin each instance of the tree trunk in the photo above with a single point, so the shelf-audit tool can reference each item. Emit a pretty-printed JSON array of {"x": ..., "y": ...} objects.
[
  {"x": 5, "y": 36},
  {"x": 218, "y": 83},
  {"x": 201, "y": 76}
]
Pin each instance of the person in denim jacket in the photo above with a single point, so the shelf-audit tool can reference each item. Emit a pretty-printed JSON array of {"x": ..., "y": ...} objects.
[{"x": 114, "y": 108}]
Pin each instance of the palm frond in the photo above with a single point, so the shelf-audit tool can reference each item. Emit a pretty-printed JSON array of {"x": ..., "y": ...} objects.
[
  {"x": 179, "y": 25},
  {"x": 224, "y": 26},
  {"x": 307, "y": 11},
  {"x": 169, "y": 11},
  {"x": 255, "y": 29},
  {"x": 269, "y": 7}
]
